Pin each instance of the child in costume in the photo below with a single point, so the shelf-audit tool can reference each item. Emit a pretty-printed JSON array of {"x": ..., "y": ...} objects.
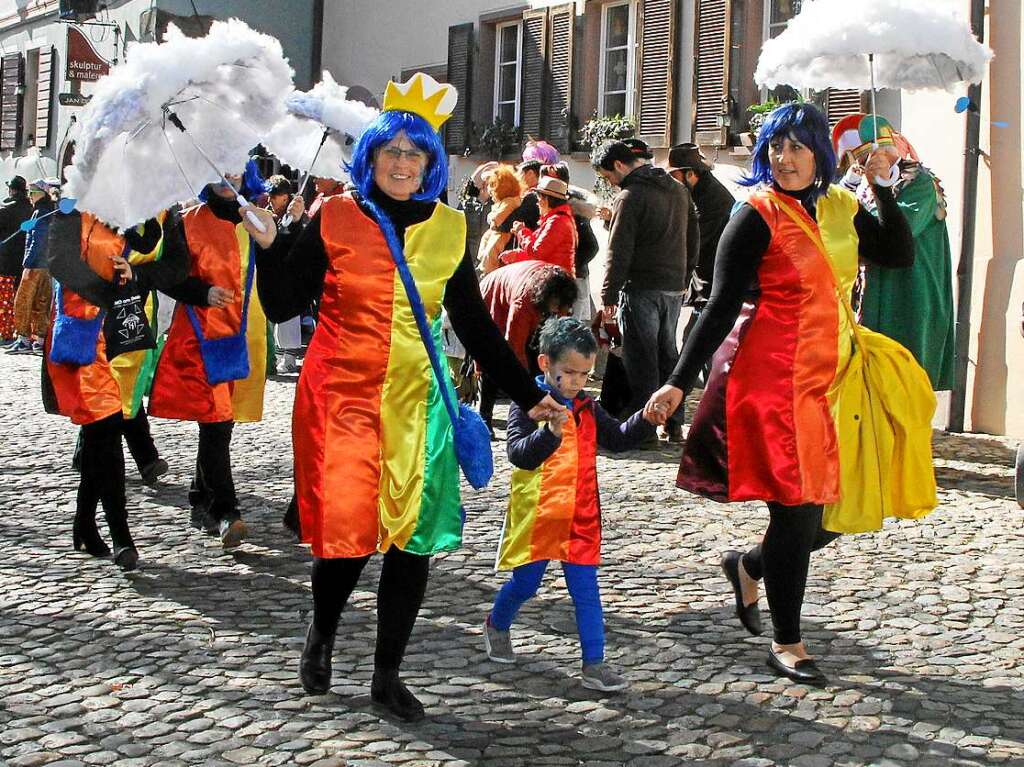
[{"x": 554, "y": 511}]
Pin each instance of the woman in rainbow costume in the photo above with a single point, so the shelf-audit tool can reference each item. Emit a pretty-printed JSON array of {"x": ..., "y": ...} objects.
[
  {"x": 764, "y": 429},
  {"x": 375, "y": 468}
]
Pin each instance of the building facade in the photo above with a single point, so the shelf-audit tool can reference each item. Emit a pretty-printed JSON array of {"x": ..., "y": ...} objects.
[{"x": 46, "y": 62}]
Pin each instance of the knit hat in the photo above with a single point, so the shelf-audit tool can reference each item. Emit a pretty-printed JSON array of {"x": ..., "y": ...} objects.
[
  {"x": 639, "y": 148},
  {"x": 540, "y": 151},
  {"x": 17, "y": 184}
]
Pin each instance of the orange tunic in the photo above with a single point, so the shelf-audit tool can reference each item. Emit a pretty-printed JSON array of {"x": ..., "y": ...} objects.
[
  {"x": 220, "y": 253},
  {"x": 87, "y": 393}
]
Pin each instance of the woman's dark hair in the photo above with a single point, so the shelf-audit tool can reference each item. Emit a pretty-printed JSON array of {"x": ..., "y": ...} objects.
[
  {"x": 798, "y": 122},
  {"x": 564, "y": 334},
  {"x": 553, "y": 283},
  {"x": 559, "y": 170},
  {"x": 611, "y": 152}
]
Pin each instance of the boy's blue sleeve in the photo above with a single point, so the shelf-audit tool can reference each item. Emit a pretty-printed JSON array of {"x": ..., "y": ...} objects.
[
  {"x": 619, "y": 436},
  {"x": 528, "y": 446}
]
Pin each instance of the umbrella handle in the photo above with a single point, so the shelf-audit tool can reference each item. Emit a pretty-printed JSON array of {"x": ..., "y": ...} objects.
[{"x": 287, "y": 220}]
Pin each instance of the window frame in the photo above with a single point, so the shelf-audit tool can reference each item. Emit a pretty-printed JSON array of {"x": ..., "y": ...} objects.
[
  {"x": 631, "y": 64},
  {"x": 499, "y": 65},
  {"x": 805, "y": 93}
]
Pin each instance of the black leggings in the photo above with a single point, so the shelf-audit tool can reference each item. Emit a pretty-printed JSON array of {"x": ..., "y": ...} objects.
[
  {"x": 783, "y": 558},
  {"x": 139, "y": 439},
  {"x": 213, "y": 487},
  {"x": 102, "y": 478},
  {"x": 403, "y": 582}
]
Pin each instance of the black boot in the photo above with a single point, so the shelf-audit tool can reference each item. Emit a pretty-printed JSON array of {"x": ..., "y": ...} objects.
[
  {"x": 291, "y": 518},
  {"x": 85, "y": 537},
  {"x": 315, "y": 664},
  {"x": 387, "y": 691},
  {"x": 126, "y": 556}
]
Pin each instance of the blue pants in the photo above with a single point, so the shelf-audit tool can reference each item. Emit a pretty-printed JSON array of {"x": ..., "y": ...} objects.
[{"x": 582, "y": 583}]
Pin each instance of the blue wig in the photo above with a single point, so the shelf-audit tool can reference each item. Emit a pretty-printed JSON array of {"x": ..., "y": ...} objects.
[
  {"x": 800, "y": 122},
  {"x": 381, "y": 131},
  {"x": 253, "y": 183}
]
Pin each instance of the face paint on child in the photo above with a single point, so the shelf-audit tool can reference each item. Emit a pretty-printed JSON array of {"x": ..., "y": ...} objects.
[{"x": 569, "y": 373}]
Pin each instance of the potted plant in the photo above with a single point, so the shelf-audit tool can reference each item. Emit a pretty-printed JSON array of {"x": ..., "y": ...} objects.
[
  {"x": 597, "y": 130},
  {"x": 498, "y": 139}
]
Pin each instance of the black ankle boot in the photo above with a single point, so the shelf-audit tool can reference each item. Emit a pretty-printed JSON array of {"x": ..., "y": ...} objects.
[
  {"x": 315, "y": 664},
  {"x": 127, "y": 558},
  {"x": 85, "y": 537},
  {"x": 387, "y": 691}
]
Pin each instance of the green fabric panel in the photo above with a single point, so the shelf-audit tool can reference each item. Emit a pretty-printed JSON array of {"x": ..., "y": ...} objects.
[
  {"x": 271, "y": 351},
  {"x": 914, "y": 306},
  {"x": 439, "y": 525}
]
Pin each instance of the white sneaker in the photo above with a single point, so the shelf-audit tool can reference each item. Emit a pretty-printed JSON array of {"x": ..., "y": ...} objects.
[
  {"x": 498, "y": 644},
  {"x": 286, "y": 365}
]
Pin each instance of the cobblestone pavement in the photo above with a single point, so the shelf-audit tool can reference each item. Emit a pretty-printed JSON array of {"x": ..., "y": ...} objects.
[{"x": 193, "y": 659}]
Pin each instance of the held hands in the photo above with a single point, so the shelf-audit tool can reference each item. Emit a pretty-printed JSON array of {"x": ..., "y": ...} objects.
[
  {"x": 662, "y": 404},
  {"x": 603, "y": 212},
  {"x": 549, "y": 410},
  {"x": 265, "y": 238},
  {"x": 219, "y": 297},
  {"x": 122, "y": 269},
  {"x": 517, "y": 227}
]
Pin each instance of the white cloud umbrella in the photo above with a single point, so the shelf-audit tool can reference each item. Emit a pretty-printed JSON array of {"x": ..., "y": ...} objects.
[
  {"x": 132, "y": 158},
  {"x": 318, "y": 131},
  {"x": 901, "y": 44},
  {"x": 32, "y": 165}
]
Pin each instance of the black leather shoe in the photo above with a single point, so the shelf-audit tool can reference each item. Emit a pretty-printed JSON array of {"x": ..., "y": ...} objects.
[
  {"x": 127, "y": 558},
  {"x": 315, "y": 664},
  {"x": 388, "y": 692},
  {"x": 201, "y": 519},
  {"x": 85, "y": 537},
  {"x": 804, "y": 672},
  {"x": 749, "y": 615},
  {"x": 153, "y": 471}
]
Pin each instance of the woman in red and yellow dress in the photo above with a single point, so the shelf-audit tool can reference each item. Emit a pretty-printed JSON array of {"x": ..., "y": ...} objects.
[
  {"x": 375, "y": 467},
  {"x": 764, "y": 429},
  {"x": 222, "y": 387},
  {"x": 85, "y": 257}
]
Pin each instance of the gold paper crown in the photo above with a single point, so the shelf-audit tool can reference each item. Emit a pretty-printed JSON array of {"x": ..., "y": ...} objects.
[{"x": 424, "y": 96}]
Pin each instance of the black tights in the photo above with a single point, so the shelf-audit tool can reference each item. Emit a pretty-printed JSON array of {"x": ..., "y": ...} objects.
[
  {"x": 102, "y": 479},
  {"x": 783, "y": 559},
  {"x": 139, "y": 439},
  {"x": 403, "y": 582}
]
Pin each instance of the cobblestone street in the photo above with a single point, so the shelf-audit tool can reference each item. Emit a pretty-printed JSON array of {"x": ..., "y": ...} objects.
[{"x": 193, "y": 659}]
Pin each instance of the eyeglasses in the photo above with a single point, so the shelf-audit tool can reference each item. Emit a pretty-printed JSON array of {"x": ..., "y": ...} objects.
[{"x": 396, "y": 153}]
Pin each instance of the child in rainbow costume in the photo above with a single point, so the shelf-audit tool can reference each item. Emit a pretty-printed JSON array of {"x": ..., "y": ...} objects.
[{"x": 554, "y": 511}]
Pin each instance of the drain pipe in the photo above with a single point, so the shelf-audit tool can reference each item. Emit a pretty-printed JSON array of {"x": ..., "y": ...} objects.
[{"x": 965, "y": 269}]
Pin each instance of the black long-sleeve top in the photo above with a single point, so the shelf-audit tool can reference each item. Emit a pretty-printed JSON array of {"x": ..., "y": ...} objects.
[
  {"x": 885, "y": 241},
  {"x": 291, "y": 273},
  {"x": 529, "y": 445},
  {"x": 65, "y": 262}
]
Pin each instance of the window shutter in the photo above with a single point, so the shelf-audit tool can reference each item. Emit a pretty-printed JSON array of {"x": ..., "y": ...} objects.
[
  {"x": 44, "y": 97},
  {"x": 841, "y": 102},
  {"x": 531, "y": 110},
  {"x": 460, "y": 70},
  {"x": 559, "y": 91},
  {"x": 657, "y": 26},
  {"x": 12, "y": 77},
  {"x": 711, "y": 70}
]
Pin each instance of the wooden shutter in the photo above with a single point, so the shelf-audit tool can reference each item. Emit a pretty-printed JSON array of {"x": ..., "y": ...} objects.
[
  {"x": 559, "y": 91},
  {"x": 841, "y": 102},
  {"x": 44, "y": 96},
  {"x": 12, "y": 77},
  {"x": 460, "y": 70},
  {"x": 711, "y": 70},
  {"x": 657, "y": 34},
  {"x": 535, "y": 38}
]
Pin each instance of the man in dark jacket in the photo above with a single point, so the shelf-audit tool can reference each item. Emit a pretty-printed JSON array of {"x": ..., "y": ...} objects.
[
  {"x": 16, "y": 209},
  {"x": 653, "y": 229},
  {"x": 714, "y": 204}
]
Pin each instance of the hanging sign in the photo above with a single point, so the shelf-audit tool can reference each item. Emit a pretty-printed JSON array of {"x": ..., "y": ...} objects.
[{"x": 84, "y": 63}]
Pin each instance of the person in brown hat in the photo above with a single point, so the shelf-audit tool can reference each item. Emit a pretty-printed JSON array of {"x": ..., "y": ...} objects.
[
  {"x": 554, "y": 240},
  {"x": 714, "y": 204}
]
